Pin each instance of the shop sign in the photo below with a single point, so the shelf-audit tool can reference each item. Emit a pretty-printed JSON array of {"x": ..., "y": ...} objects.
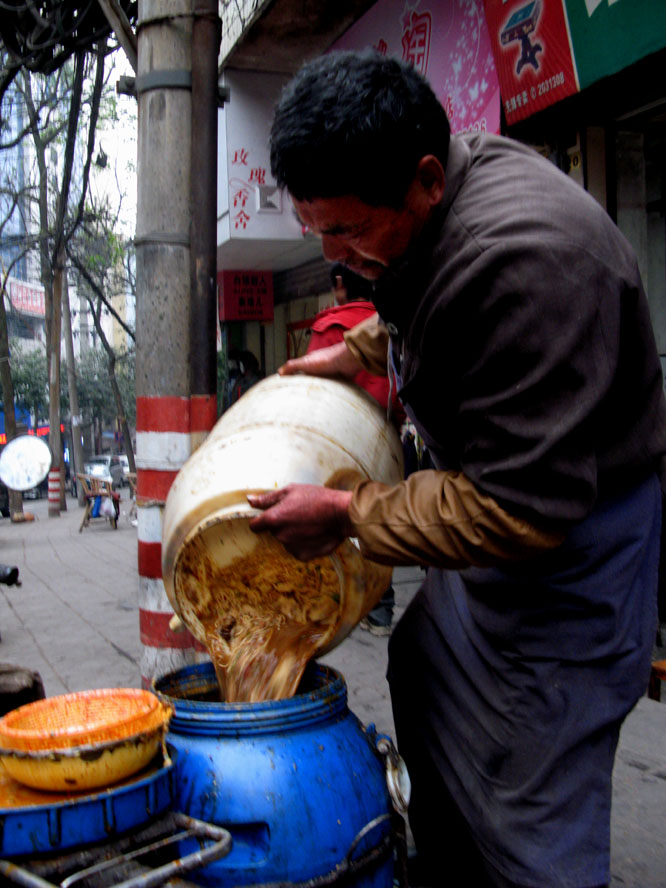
[
  {"x": 25, "y": 297},
  {"x": 445, "y": 40},
  {"x": 546, "y": 50},
  {"x": 41, "y": 431},
  {"x": 245, "y": 295},
  {"x": 532, "y": 53},
  {"x": 609, "y": 35}
]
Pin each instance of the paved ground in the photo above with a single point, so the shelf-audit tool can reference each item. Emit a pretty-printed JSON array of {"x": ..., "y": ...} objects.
[{"x": 75, "y": 620}]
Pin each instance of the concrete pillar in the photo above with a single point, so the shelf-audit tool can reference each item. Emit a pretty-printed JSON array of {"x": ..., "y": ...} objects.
[{"x": 166, "y": 420}]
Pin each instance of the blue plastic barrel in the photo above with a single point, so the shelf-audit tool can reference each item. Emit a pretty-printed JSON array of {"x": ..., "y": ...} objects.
[{"x": 297, "y": 782}]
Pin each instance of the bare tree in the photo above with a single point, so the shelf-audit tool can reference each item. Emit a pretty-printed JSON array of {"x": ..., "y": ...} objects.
[
  {"x": 53, "y": 238},
  {"x": 35, "y": 42},
  {"x": 101, "y": 259},
  {"x": 15, "y": 496}
]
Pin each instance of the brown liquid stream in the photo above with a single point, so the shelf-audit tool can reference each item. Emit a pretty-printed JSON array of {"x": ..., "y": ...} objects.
[{"x": 261, "y": 627}]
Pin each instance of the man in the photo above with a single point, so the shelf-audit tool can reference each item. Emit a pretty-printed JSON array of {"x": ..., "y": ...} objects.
[{"x": 521, "y": 337}]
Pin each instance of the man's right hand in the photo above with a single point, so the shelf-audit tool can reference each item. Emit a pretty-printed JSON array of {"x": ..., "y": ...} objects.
[{"x": 334, "y": 360}]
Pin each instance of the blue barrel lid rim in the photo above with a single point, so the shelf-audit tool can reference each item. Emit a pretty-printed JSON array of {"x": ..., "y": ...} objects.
[
  {"x": 90, "y": 817},
  {"x": 326, "y": 699}
]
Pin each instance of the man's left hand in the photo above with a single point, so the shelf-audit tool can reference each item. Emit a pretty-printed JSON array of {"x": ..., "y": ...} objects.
[{"x": 309, "y": 521}]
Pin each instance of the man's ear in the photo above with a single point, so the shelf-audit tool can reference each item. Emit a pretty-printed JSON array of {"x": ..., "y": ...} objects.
[{"x": 430, "y": 175}]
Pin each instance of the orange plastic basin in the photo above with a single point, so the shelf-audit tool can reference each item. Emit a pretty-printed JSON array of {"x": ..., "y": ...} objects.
[
  {"x": 82, "y": 741},
  {"x": 80, "y": 719}
]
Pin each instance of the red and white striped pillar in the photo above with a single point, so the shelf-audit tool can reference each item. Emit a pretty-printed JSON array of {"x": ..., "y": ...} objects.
[
  {"x": 176, "y": 317},
  {"x": 168, "y": 429},
  {"x": 54, "y": 491}
]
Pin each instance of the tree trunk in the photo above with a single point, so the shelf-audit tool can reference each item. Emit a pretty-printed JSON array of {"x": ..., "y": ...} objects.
[
  {"x": 15, "y": 496},
  {"x": 76, "y": 459},
  {"x": 120, "y": 407},
  {"x": 46, "y": 272}
]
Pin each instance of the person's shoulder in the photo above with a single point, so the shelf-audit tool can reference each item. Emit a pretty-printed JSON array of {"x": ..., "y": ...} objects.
[
  {"x": 489, "y": 147},
  {"x": 512, "y": 189},
  {"x": 345, "y": 316}
]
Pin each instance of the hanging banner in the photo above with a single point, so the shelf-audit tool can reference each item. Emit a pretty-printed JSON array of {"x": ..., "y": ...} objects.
[
  {"x": 445, "y": 40},
  {"x": 245, "y": 295},
  {"x": 533, "y": 54},
  {"x": 609, "y": 35}
]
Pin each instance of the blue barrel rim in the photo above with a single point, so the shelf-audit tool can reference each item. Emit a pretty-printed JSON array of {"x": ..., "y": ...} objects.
[{"x": 327, "y": 699}]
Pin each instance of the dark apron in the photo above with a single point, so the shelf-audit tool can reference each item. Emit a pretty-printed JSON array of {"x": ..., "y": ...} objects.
[{"x": 509, "y": 688}]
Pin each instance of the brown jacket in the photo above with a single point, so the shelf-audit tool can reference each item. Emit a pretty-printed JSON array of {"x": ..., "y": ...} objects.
[{"x": 527, "y": 360}]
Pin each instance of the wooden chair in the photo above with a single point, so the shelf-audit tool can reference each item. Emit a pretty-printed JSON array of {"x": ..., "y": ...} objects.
[{"x": 92, "y": 488}]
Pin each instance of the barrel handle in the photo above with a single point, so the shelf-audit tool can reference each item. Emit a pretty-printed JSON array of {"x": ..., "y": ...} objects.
[{"x": 397, "y": 777}]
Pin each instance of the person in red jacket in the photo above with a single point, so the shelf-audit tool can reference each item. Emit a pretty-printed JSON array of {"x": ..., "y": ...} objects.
[{"x": 353, "y": 305}]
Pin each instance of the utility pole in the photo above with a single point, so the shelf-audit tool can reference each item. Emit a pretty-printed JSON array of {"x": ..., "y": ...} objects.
[{"x": 174, "y": 328}]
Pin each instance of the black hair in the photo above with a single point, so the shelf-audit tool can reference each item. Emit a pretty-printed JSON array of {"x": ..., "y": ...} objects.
[
  {"x": 357, "y": 287},
  {"x": 249, "y": 362},
  {"x": 356, "y": 123}
]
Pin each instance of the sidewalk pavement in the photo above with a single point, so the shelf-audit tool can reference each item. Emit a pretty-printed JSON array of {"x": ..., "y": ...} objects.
[{"x": 75, "y": 620}]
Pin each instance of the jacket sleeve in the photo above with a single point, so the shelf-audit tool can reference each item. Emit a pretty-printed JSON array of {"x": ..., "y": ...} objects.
[
  {"x": 369, "y": 342},
  {"x": 441, "y": 519}
]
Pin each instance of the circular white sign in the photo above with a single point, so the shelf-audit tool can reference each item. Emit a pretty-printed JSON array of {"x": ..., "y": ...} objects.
[{"x": 25, "y": 462}]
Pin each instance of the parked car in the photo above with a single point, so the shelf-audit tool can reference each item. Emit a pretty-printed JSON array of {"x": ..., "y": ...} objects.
[
  {"x": 38, "y": 492},
  {"x": 124, "y": 462},
  {"x": 106, "y": 466}
]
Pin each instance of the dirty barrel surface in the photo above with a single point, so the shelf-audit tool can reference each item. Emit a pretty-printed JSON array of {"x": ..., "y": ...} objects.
[{"x": 297, "y": 782}]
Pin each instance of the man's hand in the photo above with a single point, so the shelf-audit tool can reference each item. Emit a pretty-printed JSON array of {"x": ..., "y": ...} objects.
[
  {"x": 309, "y": 521},
  {"x": 334, "y": 360}
]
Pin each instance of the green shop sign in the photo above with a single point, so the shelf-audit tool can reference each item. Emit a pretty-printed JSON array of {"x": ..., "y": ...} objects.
[{"x": 608, "y": 35}]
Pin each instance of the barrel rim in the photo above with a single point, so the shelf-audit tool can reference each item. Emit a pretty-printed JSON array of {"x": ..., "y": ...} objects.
[{"x": 328, "y": 699}]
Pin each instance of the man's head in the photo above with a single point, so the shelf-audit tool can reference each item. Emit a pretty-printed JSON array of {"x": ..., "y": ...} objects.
[
  {"x": 356, "y": 123},
  {"x": 361, "y": 143}
]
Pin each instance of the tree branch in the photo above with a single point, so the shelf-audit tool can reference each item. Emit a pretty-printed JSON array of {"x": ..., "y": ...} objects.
[
  {"x": 74, "y": 111},
  {"x": 92, "y": 126},
  {"x": 97, "y": 290}
]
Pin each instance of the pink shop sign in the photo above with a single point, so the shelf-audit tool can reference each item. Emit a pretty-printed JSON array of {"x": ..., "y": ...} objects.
[{"x": 448, "y": 42}]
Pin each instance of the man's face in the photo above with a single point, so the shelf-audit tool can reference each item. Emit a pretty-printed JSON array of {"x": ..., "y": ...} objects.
[{"x": 365, "y": 238}]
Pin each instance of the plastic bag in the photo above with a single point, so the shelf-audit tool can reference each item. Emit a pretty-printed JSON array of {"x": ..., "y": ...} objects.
[
  {"x": 97, "y": 505},
  {"x": 107, "y": 509}
]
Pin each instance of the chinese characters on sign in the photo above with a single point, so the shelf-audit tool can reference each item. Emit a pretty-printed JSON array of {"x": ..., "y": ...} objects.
[
  {"x": 241, "y": 189},
  {"x": 25, "y": 297},
  {"x": 245, "y": 295},
  {"x": 445, "y": 40},
  {"x": 416, "y": 40}
]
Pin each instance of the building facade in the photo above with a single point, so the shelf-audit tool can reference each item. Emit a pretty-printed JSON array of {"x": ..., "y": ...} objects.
[{"x": 579, "y": 80}]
